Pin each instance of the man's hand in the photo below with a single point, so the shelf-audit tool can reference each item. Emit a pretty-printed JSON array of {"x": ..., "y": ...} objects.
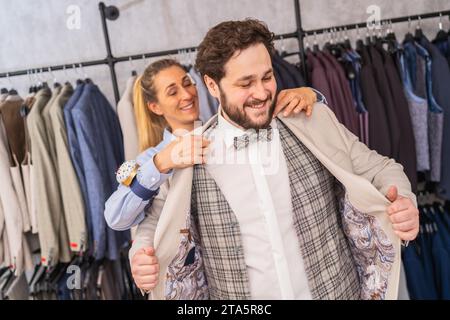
[
  {"x": 295, "y": 100},
  {"x": 403, "y": 214},
  {"x": 145, "y": 269}
]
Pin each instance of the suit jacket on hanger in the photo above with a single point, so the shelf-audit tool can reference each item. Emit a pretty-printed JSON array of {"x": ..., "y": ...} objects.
[
  {"x": 100, "y": 153},
  {"x": 11, "y": 207},
  {"x": 72, "y": 199},
  {"x": 407, "y": 148},
  {"x": 125, "y": 112},
  {"x": 349, "y": 107},
  {"x": 441, "y": 79},
  {"x": 379, "y": 132},
  {"x": 52, "y": 228},
  {"x": 15, "y": 133},
  {"x": 388, "y": 101},
  {"x": 318, "y": 78}
]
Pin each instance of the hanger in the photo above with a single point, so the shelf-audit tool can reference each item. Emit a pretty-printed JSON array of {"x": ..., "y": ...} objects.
[
  {"x": 334, "y": 47},
  {"x": 283, "y": 47},
  {"x": 368, "y": 38},
  {"x": 315, "y": 43},
  {"x": 347, "y": 43},
  {"x": 359, "y": 41},
  {"x": 84, "y": 74},
  {"x": 409, "y": 36},
  {"x": 307, "y": 47},
  {"x": 11, "y": 91},
  {"x": 43, "y": 83},
  {"x": 441, "y": 35},
  {"x": 30, "y": 88},
  {"x": 56, "y": 84},
  {"x": 76, "y": 72},
  {"x": 419, "y": 33},
  {"x": 133, "y": 69}
]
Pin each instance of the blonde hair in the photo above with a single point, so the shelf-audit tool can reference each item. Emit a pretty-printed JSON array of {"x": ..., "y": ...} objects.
[{"x": 150, "y": 126}]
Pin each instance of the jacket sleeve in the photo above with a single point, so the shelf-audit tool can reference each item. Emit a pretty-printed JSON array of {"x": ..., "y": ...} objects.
[
  {"x": 381, "y": 171},
  {"x": 145, "y": 231}
]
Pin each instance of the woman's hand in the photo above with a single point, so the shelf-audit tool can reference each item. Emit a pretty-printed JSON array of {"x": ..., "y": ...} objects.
[
  {"x": 184, "y": 152},
  {"x": 295, "y": 100},
  {"x": 145, "y": 269}
]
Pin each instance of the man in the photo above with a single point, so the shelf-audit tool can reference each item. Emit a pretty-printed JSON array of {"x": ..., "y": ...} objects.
[{"x": 310, "y": 212}]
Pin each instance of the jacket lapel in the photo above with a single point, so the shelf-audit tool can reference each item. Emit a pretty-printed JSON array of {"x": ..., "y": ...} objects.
[{"x": 360, "y": 192}]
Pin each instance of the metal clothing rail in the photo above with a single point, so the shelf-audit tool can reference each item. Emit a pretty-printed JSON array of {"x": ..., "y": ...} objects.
[
  {"x": 112, "y": 13},
  {"x": 361, "y": 25}
]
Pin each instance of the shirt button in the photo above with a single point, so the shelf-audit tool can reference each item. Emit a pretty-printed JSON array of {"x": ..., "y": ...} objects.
[{"x": 153, "y": 179}]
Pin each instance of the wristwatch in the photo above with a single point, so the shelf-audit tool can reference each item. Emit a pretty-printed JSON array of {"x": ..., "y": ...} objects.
[{"x": 127, "y": 172}]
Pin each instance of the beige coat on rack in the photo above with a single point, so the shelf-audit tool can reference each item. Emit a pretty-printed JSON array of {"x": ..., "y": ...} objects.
[
  {"x": 11, "y": 207},
  {"x": 53, "y": 236},
  {"x": 125, "y": 112}
]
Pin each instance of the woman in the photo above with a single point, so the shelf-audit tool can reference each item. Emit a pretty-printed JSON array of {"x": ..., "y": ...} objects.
[{"x": 166, "y": 106}]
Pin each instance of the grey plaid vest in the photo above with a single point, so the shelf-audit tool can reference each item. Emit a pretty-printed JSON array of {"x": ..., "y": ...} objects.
[{"x": 329, "y": 263}]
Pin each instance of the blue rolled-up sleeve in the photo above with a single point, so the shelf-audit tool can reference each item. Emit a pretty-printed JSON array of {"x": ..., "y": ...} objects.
[
  {"x": 149, "y": 176},
  {"x": 126, "y": 206},
  {"x": 319, "y": 96},
  {"x": 124, "y": 209}
]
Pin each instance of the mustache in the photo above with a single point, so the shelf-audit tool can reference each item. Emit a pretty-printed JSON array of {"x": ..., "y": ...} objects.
[{"x": 258, "y": 101}]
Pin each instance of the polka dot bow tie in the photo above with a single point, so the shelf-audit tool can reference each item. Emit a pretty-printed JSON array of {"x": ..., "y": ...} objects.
[{"x": 243, "y": 141}]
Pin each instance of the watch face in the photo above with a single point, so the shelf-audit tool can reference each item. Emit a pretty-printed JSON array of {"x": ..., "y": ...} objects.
[{"x": 125, "y": 170}]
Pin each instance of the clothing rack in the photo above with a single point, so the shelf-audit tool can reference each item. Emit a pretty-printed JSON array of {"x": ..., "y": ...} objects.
[
  {"x": 112, "y": 13},
  {"x": 362, "y": 25}
]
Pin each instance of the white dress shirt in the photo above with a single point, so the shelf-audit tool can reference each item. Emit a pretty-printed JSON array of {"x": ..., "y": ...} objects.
[{"x": 255, "y": 183}]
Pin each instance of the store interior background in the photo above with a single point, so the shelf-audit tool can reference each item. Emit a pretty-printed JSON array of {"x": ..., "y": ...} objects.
[{"x": 35, "y": 32}]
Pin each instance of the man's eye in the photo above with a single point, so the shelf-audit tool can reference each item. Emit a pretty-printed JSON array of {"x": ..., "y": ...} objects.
[
  {"x": 267, "y": 78},
  {"x": 172, "y": 93},
  {"x": 245, "y": 85},
  {"x": 187, "y": 84}
]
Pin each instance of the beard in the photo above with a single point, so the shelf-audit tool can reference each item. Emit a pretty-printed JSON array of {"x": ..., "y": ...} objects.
[{"x": 238, "y": 115}]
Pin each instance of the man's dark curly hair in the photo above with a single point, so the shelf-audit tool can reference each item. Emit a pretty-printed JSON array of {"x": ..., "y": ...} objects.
[{"x": 223, "y": 40}]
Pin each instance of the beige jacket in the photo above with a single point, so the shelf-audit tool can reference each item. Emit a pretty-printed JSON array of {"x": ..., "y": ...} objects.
[
  {"x": 125, "y": 112},
  {"x": 365, "y": 175},
  {"x": 53, "y": 236}
]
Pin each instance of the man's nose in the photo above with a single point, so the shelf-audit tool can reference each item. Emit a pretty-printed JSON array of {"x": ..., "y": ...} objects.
[{"x": 260, "y": 92}]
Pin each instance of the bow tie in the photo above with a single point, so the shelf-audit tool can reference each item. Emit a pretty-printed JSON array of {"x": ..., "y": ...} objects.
[{"x": 244, "y": 140}]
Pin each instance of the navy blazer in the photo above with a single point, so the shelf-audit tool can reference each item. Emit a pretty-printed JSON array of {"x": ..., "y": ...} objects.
[{"x": 440, "y": 72}]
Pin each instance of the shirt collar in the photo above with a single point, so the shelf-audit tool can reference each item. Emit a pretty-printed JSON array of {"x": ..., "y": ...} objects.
[{"x": 229, "y": 131}]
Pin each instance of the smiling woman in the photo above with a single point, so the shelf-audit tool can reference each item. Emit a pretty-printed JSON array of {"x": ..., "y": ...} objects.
[{"x": 166, "y": 105}]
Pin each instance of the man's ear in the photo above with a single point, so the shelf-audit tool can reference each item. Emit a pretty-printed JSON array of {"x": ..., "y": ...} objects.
[
  {"x": 212, "y": 86},
  {"x": 154, "y": 107}
]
